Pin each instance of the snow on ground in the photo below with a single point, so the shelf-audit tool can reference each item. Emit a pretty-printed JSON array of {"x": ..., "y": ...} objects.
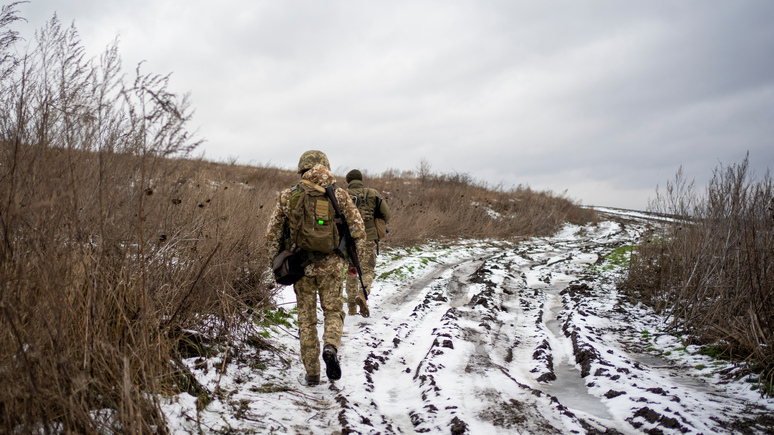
[
  {"x": 633, "y": 214},
  {"x": 484, "y": 337}
]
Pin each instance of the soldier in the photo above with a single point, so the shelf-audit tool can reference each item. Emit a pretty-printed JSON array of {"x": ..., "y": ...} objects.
[
  {"x": 371, "y": 207},
  {"x": 322, "y": 274}
]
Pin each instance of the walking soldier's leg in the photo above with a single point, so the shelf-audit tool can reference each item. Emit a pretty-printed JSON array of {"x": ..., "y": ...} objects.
[
  {"x": 330, "y": 300},
  {"x": 368, "y": 265},
  {"x": 352, "y": 285},
  {"x": 306, "y": 296}
]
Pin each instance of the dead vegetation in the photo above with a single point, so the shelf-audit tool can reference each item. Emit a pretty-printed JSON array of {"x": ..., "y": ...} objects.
[
  {"x": 111, "y": 243},
  {"x": 712, "y": 269},
  {"x": 436, "y": 206}
]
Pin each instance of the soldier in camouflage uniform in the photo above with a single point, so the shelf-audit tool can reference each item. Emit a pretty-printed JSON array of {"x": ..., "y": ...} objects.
[
  {"x": 323, "y": 276},
  {"x": 368, "y": 205}
]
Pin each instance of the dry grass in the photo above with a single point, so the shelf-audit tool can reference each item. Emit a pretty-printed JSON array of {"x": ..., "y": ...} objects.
[
  {"x": 712, "y": 271},
  {"x": 435, "y": 206},
  {"x": 113, "y": 242}
]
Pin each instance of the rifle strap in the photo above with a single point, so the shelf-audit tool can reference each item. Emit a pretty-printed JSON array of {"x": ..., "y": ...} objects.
[{"x": 332, "y": 197}]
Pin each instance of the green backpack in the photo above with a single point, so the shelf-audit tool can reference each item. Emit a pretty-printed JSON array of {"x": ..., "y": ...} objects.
[
  {"x": 369, "y": 207},
  {"x": 361, "y": 201},
  {"x": 311, "y": 217}
]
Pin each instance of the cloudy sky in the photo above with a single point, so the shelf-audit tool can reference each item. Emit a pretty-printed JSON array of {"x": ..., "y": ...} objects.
[{"x": 602, "y": 100}]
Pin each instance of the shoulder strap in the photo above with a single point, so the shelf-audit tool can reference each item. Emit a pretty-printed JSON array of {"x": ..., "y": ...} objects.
[{"x": 295, "y": 193}]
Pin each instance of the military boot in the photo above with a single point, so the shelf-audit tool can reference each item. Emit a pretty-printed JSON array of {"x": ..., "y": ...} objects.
[
  {"x": 312, "y": 380},
  {"x": 363, "y": 304},
  {"x": 352, "y": 309},
  {"x": 332, "y": 368}
]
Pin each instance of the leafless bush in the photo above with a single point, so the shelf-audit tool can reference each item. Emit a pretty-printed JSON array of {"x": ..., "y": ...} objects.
[
  {"x": 110, "y": 243},
  {"x": 712, "y": 270}
]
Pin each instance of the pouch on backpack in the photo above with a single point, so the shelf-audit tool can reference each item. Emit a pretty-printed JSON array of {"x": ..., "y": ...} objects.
[{"x": 381, "y": 228}]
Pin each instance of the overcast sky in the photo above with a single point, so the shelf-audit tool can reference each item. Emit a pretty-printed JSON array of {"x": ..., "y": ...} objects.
[{"x": 603, "y": 100}]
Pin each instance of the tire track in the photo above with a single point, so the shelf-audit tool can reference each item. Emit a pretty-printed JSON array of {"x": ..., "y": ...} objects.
[{"x": 395, "y": 363}]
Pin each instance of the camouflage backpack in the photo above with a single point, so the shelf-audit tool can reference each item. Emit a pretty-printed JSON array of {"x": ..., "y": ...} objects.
[{"x": 311, "y": 217}]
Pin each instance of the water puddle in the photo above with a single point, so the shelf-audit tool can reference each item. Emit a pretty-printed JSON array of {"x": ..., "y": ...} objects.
[
  {"x": 676, "y": 374},
  {"x": 569, "y": 388},
  {"x": 459, "y": 292}
]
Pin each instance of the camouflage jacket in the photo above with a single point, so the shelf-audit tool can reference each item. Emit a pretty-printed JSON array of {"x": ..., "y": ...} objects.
[{"x": 332, "y": 263}]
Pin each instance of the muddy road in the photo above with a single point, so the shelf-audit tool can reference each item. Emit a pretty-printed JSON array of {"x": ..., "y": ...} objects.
[{"x": 480, "y": 337}]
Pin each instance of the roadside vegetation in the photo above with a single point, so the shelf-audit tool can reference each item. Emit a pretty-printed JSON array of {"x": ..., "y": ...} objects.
[
  {"x": 711, "y": 270},
  {"x": 120, "y": 252}
]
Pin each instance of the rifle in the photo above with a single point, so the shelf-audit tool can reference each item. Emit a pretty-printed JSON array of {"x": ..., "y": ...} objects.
[{"x": 347, "y": 246}]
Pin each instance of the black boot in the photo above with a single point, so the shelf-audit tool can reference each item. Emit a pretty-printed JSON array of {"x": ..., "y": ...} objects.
[{"x": 332, "y": 368}]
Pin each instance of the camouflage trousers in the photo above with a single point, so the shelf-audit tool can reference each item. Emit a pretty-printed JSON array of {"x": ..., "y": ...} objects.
[
  {"x": 329, "y": 287},
  {"x": 367, "y": 266}
]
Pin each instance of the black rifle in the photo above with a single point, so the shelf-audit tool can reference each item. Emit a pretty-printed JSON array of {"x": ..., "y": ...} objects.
[{"x": 347, "y": 246}]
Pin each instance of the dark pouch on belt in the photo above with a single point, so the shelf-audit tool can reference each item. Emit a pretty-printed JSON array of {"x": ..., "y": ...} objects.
[{"x": 287, "y": 268}]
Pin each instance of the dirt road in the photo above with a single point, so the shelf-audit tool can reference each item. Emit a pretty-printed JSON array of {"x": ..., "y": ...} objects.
[{"x": 481, "y": 337}]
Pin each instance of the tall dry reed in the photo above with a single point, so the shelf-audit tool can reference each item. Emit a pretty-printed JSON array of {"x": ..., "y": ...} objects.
[
  {"x": 712, "y": 270},
  {"x": 111, "y": 242}
]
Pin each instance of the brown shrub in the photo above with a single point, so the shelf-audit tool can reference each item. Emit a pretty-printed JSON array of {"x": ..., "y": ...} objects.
[
  {"x": 433, "y": 206},
  {"x": 110, "y": 244},
  {"x": 712, "y": 270}
]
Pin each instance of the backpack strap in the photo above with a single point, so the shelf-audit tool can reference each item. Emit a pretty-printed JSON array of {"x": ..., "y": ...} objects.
[{"x": 368, "y": 223}]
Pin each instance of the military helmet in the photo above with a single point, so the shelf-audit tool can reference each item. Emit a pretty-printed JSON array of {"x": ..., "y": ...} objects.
[{"x": 311, "y": 158}]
